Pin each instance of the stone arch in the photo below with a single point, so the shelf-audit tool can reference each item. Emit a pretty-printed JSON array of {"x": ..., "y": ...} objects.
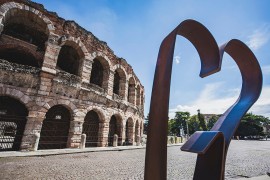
[
  {"x": 17, "y": 28},
  {"x": 16, "y": 94},
  {"x": 99, "y": 111},
  {"x": 129, "y": 131},
  {"x": 100, "y": 72},
  {"x": 9, "y": 8},
  {"x": 66, "y": 103},
  {"x": 115, "y": 127},
  {"x": 102, "y": 57},
  {"x": 13, "y": 119},
  {"x": 119, "y": 66},
  {"x": 76, "y": 43},
  {"x": 119, "y": 82},
  {"x": 72, "y": 55},
  {"x": 55, "y": 128},
  {"x": 131, "y": 90},
  {"x": 138, "y": 95},
  {"x": 92, "y": 127}
]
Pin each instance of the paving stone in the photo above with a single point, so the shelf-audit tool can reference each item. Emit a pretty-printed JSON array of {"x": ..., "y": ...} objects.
[{"x": 245, "y": 159}]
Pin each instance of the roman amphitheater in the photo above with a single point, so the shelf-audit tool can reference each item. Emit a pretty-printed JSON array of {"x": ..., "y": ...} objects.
[{"x": 58, "y": 81}]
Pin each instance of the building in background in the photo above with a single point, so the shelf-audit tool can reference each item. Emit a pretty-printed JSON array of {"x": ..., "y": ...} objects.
[{"x": 58, "y": 81}]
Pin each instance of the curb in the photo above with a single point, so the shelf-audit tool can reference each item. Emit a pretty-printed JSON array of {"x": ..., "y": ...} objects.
[{"x": 71, "y": 151}]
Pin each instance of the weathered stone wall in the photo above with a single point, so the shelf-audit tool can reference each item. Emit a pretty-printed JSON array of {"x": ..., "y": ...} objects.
[{"x": 40, "y": 88}]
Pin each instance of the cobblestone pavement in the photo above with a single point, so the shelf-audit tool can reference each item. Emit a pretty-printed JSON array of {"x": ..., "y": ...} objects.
[{"x": 245, "y": 159}]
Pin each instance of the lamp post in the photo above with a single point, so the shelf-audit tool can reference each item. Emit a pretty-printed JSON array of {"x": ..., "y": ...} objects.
[
  {"x": 187, "y": 129},
  {"x": 181, "y": 133}
]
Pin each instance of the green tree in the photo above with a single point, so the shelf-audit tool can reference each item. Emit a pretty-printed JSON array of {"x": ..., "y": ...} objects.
[
  {"x": 179, "y": 121},
  {"x": 193, "y": 124},
  {"x": 211, "y": 122},
  {"x": 251, "y": 125},
  {"x": 202, "y": 121},
  {"x": 171, "y": 124},
  {"x": 145, "y": 124}
]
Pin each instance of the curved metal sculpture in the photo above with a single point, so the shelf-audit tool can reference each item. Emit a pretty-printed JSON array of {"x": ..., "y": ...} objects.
[{"x": 211, "y": 146}]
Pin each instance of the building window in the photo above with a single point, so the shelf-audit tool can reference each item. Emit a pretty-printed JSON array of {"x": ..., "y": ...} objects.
[
  {"x": 97, "y": 73},
  {"x": 69, "y": 60},
  {"x": 131, "y": 91},
  {"x": 116, "y": 83}
]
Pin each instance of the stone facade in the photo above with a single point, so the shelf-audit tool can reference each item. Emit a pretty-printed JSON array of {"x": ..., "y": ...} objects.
[{"x": 52, "y": 66}]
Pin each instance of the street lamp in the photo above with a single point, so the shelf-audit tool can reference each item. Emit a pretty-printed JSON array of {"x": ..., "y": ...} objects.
[
  {"x": 187, "y": 129},
  {"x": 181, "y": 133}
]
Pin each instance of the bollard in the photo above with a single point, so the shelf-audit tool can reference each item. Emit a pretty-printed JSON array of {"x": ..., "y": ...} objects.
[
  {"x": 176, "y": 140},
  {"x": 172, "y": 140},
  {"x": 83, "y": 140},
  {"x": 37, "y": 137},
  {"x": 115, "y": 140}
]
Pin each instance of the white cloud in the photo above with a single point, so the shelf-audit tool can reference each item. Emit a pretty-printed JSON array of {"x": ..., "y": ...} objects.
[
  {"x": 259, "y": 37},
  {"x": 177, "y": 59},
  {"x": 211, "y": 102},
  {"x": 266, "y": 69},
  {"x": 262, "y": 106}
]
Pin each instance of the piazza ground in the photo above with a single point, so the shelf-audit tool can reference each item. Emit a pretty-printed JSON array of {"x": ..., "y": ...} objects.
[{"x": 245, "y": 159}]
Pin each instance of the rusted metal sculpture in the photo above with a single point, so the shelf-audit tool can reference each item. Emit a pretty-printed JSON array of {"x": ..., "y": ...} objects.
[{"x": 211, "y": 146}]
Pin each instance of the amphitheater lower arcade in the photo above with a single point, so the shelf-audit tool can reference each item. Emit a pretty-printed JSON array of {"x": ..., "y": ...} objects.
[
  {"x": 58, "y": 81},
  {"x": 60, "y": 123}
]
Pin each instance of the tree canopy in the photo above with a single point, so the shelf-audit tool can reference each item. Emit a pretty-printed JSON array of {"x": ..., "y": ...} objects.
[
  {"x": 252, "y": 125},
  {"x": 179, "y": 121}
]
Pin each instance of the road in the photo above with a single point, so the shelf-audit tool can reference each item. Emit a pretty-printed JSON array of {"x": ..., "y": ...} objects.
[{"x": 245, "y": 159}]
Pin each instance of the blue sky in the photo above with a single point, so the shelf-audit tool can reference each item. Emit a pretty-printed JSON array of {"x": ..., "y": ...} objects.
[{"x": 134, "y": 30}]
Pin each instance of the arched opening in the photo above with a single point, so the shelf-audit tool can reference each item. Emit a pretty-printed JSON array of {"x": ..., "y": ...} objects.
[
  {"x": 119, "y": 84},
  {"x": 69, "y": 60},
  {"x": 13, "y": 117},
  {"x": 131, "y": 90},
  {"x": 91, "y": 128},
  {"x": 142, "y": 100},
  {"x": 26, "y": 26},
  {"x": 97, "y": 73},
  {"x": 115, "y": 127},
  {"x": 19, "y": 55},
  {"x": 55, "y": 128},
  {"x": 26, "y": 30},
  {"x": 129, "y": 132},
  {"x": 116, "y": 83},
  {"x": 138, "y": 95},
  {"x": 137, "y": 129}
]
